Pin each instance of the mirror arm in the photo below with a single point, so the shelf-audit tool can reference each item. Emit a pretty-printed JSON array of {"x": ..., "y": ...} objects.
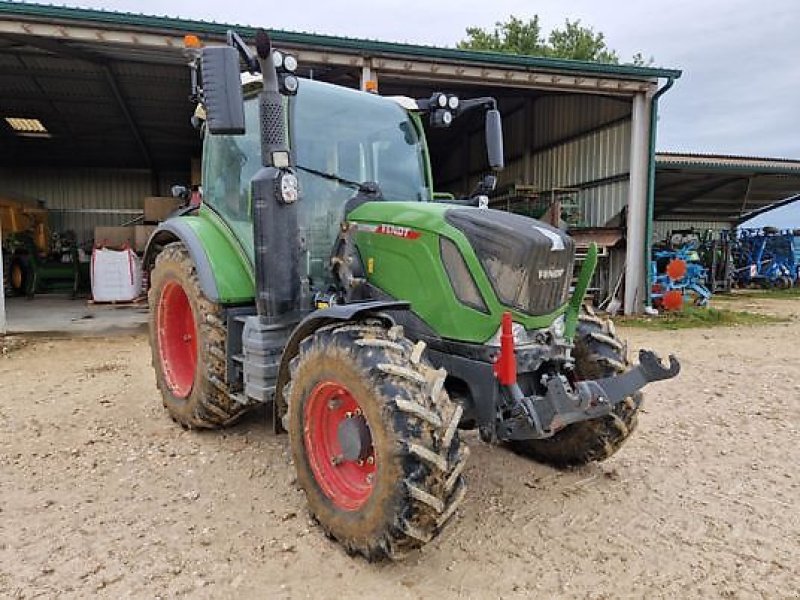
[
  {"x": 485, "y": 102},
  {"x": 250, "y": 59}
]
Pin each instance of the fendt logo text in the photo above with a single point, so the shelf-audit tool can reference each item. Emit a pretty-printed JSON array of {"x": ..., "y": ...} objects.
[{"x": 550, "y": 273}]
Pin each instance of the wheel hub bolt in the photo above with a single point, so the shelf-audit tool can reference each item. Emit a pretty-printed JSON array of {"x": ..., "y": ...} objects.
[
  {"x": 370, "y": 460},
  {"x": 348, "y": 415},
  {"x": 337, "y": 460},
  {"x": 370, "y": 478}
]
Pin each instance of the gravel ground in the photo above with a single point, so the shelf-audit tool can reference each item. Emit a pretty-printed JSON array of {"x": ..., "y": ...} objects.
[{"x": 100, "y": 493}]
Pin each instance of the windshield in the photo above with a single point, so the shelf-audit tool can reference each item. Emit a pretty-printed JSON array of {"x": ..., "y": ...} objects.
[
  {"x": 340, "y": 137},
  {"x": 357, "y": 137}
]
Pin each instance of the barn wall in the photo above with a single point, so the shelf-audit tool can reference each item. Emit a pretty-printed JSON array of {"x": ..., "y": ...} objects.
[{"x": 80, "y": 199}]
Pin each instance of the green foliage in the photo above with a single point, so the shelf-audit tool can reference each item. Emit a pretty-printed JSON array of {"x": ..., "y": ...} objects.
[
  {"x": 574, "y": 41},
  {"x": 580, "y": 43},
  {"x": 514, "y": 36},
  {"x": 692, "y": 317}
]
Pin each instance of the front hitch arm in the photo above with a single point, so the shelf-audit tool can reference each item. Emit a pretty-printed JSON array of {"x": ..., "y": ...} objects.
[
  {"x": 613, "y": 390},
  {"x": 560, "y": 406}
]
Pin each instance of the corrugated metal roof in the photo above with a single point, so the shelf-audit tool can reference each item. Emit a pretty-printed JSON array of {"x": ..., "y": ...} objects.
[
  {"x": 131, "y": 20},
  {"x": 725, "y": 162}
]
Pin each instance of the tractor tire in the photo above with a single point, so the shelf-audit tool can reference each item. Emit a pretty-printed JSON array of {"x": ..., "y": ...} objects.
[
  {"x": 19, "y": 277},
  {"x": 598, "y": 353},
  {"x": 187, "y": 339},
  {"x": 401, "y": 481}
]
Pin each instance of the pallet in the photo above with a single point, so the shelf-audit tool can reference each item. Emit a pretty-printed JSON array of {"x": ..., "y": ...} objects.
[{"x": 136, "y": 302}]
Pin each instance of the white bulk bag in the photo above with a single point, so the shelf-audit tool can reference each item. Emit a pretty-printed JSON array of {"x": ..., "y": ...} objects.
[{"x": 116, "y": 275}]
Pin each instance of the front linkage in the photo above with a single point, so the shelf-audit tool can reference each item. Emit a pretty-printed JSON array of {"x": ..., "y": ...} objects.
[{"x": 567, "y": 401}]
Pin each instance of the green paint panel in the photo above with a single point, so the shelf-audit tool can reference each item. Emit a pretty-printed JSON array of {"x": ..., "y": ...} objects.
[
  {"x": 232, "y": 269},
  {"x": 409, "y": 267}
]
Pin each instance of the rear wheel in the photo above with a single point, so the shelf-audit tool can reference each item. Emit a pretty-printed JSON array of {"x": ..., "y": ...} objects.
[
  {"x": 19, "y": 276},
  {"x": 598, "y": 353},
  {"x": 187, "y": 338},
  {"x": 374, "y": 439}
]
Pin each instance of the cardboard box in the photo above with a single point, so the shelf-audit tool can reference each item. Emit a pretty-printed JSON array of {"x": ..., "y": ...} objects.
[
  {"x": 113, "y": 237},
  {"x": 158, "y": 208},
  {"x": 142, "y": 233}
]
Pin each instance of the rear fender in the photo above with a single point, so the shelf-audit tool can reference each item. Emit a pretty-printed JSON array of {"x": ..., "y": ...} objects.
[{"x": 225, "y": 274}]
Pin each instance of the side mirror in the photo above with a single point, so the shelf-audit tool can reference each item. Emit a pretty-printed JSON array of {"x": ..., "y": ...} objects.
[
  {"x": 494, "y": 139},
  {"x": 180, "y": 191},
  {"x": 222, "y": 90}
]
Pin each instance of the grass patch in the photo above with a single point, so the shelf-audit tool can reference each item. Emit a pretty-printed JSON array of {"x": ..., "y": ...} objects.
[
  {"x": 778, "y": 293},
  {"x": 693, "y": 317}
]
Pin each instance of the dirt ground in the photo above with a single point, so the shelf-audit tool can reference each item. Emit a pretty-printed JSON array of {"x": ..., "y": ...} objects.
[{"x": 100, "y": 493}]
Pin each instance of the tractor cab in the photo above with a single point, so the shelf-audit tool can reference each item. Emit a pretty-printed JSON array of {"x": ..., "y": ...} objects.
[{"x": 341, "y": 140}]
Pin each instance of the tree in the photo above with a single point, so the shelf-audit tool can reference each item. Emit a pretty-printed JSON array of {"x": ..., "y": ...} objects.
[
  {"x": 574, "y": 41},
  {"x": 514, "y": 36},
  {"x": 580, "y": 43}
]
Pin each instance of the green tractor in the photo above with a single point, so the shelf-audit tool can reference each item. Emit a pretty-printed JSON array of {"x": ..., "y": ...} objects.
[{"x": 323, "y": 277}]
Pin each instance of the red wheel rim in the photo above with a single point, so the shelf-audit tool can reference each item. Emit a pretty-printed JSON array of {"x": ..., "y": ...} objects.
[
  {"x": 348, "y": 483},
  {"x": 177, "y": 339}
]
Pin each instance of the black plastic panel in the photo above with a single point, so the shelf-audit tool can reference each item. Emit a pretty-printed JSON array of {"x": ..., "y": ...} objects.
[{"x": 528, "y": 262}]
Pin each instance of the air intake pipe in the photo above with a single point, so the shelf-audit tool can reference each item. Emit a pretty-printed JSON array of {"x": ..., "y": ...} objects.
[{"x": 274, "y": 192}]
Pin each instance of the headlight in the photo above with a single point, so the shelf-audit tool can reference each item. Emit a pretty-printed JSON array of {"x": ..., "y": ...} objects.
[
  {"x": 277, "y": 59},
  {"x": 452, "y": 102},
  {"x": 288, "y": 188},
  {"x": 441, "y": 100},
  {"x": 290, "y": 63},
  {"x": 521, "y": 337},
  {"x": 290, "y": 85},
  {"x": 559, "y": 327}
]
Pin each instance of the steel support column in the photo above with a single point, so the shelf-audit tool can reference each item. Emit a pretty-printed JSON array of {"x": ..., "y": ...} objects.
[
  {"x": 3, "y": 290},
  {"x": 635, "y": 264},
  {"x": 367, "y": 74}
]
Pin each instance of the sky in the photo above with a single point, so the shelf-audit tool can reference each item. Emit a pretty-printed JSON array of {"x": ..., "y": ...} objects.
[{"x": 740, "y": 89}]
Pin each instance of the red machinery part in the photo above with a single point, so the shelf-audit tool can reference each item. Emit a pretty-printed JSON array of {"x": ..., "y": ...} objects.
[
  {"x": 505, "y": 367},
  {"x": 177, "y": 339},
  {"x": 676, "y": 269},
  {"x": 348, "y": 483},
  {"x": 672, "y": 300}
]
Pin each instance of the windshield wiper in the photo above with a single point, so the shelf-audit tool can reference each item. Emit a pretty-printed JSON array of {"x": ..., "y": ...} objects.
[{"x": 332, "y": 177}]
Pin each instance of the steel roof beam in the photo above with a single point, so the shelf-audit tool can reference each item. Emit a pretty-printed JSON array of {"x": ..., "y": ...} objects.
[
  {"x": 694, "y": 195},
  {"x": 98, "y": 61}
]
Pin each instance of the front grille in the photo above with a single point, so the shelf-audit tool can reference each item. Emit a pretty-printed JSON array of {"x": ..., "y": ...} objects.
[{"x": 528, "y": 263}]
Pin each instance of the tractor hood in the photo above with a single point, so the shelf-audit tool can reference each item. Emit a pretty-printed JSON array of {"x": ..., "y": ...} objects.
[
  {"x": 528, "y": 263},
  {"x": 461, "y": 268}
]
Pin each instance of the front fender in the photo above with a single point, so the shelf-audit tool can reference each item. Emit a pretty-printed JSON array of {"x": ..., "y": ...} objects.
[
  {"x": 225, "y": 273},
  {"x": 315, "y": 320}
]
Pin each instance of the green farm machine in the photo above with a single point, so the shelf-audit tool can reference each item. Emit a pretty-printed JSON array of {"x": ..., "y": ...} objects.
[{"x": 322, "y": 277}]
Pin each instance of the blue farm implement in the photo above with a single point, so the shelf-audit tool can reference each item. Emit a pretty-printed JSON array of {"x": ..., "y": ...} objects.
[
  {"x": 678, "y": 278},
  {"x": 767, "y": 258}
]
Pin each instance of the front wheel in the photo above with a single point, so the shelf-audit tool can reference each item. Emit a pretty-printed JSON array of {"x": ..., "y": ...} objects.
[
  {"x": 374, "y": 439},
  {"x": 598, "y": 353},
  {"x": 187, "y": 338}
]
